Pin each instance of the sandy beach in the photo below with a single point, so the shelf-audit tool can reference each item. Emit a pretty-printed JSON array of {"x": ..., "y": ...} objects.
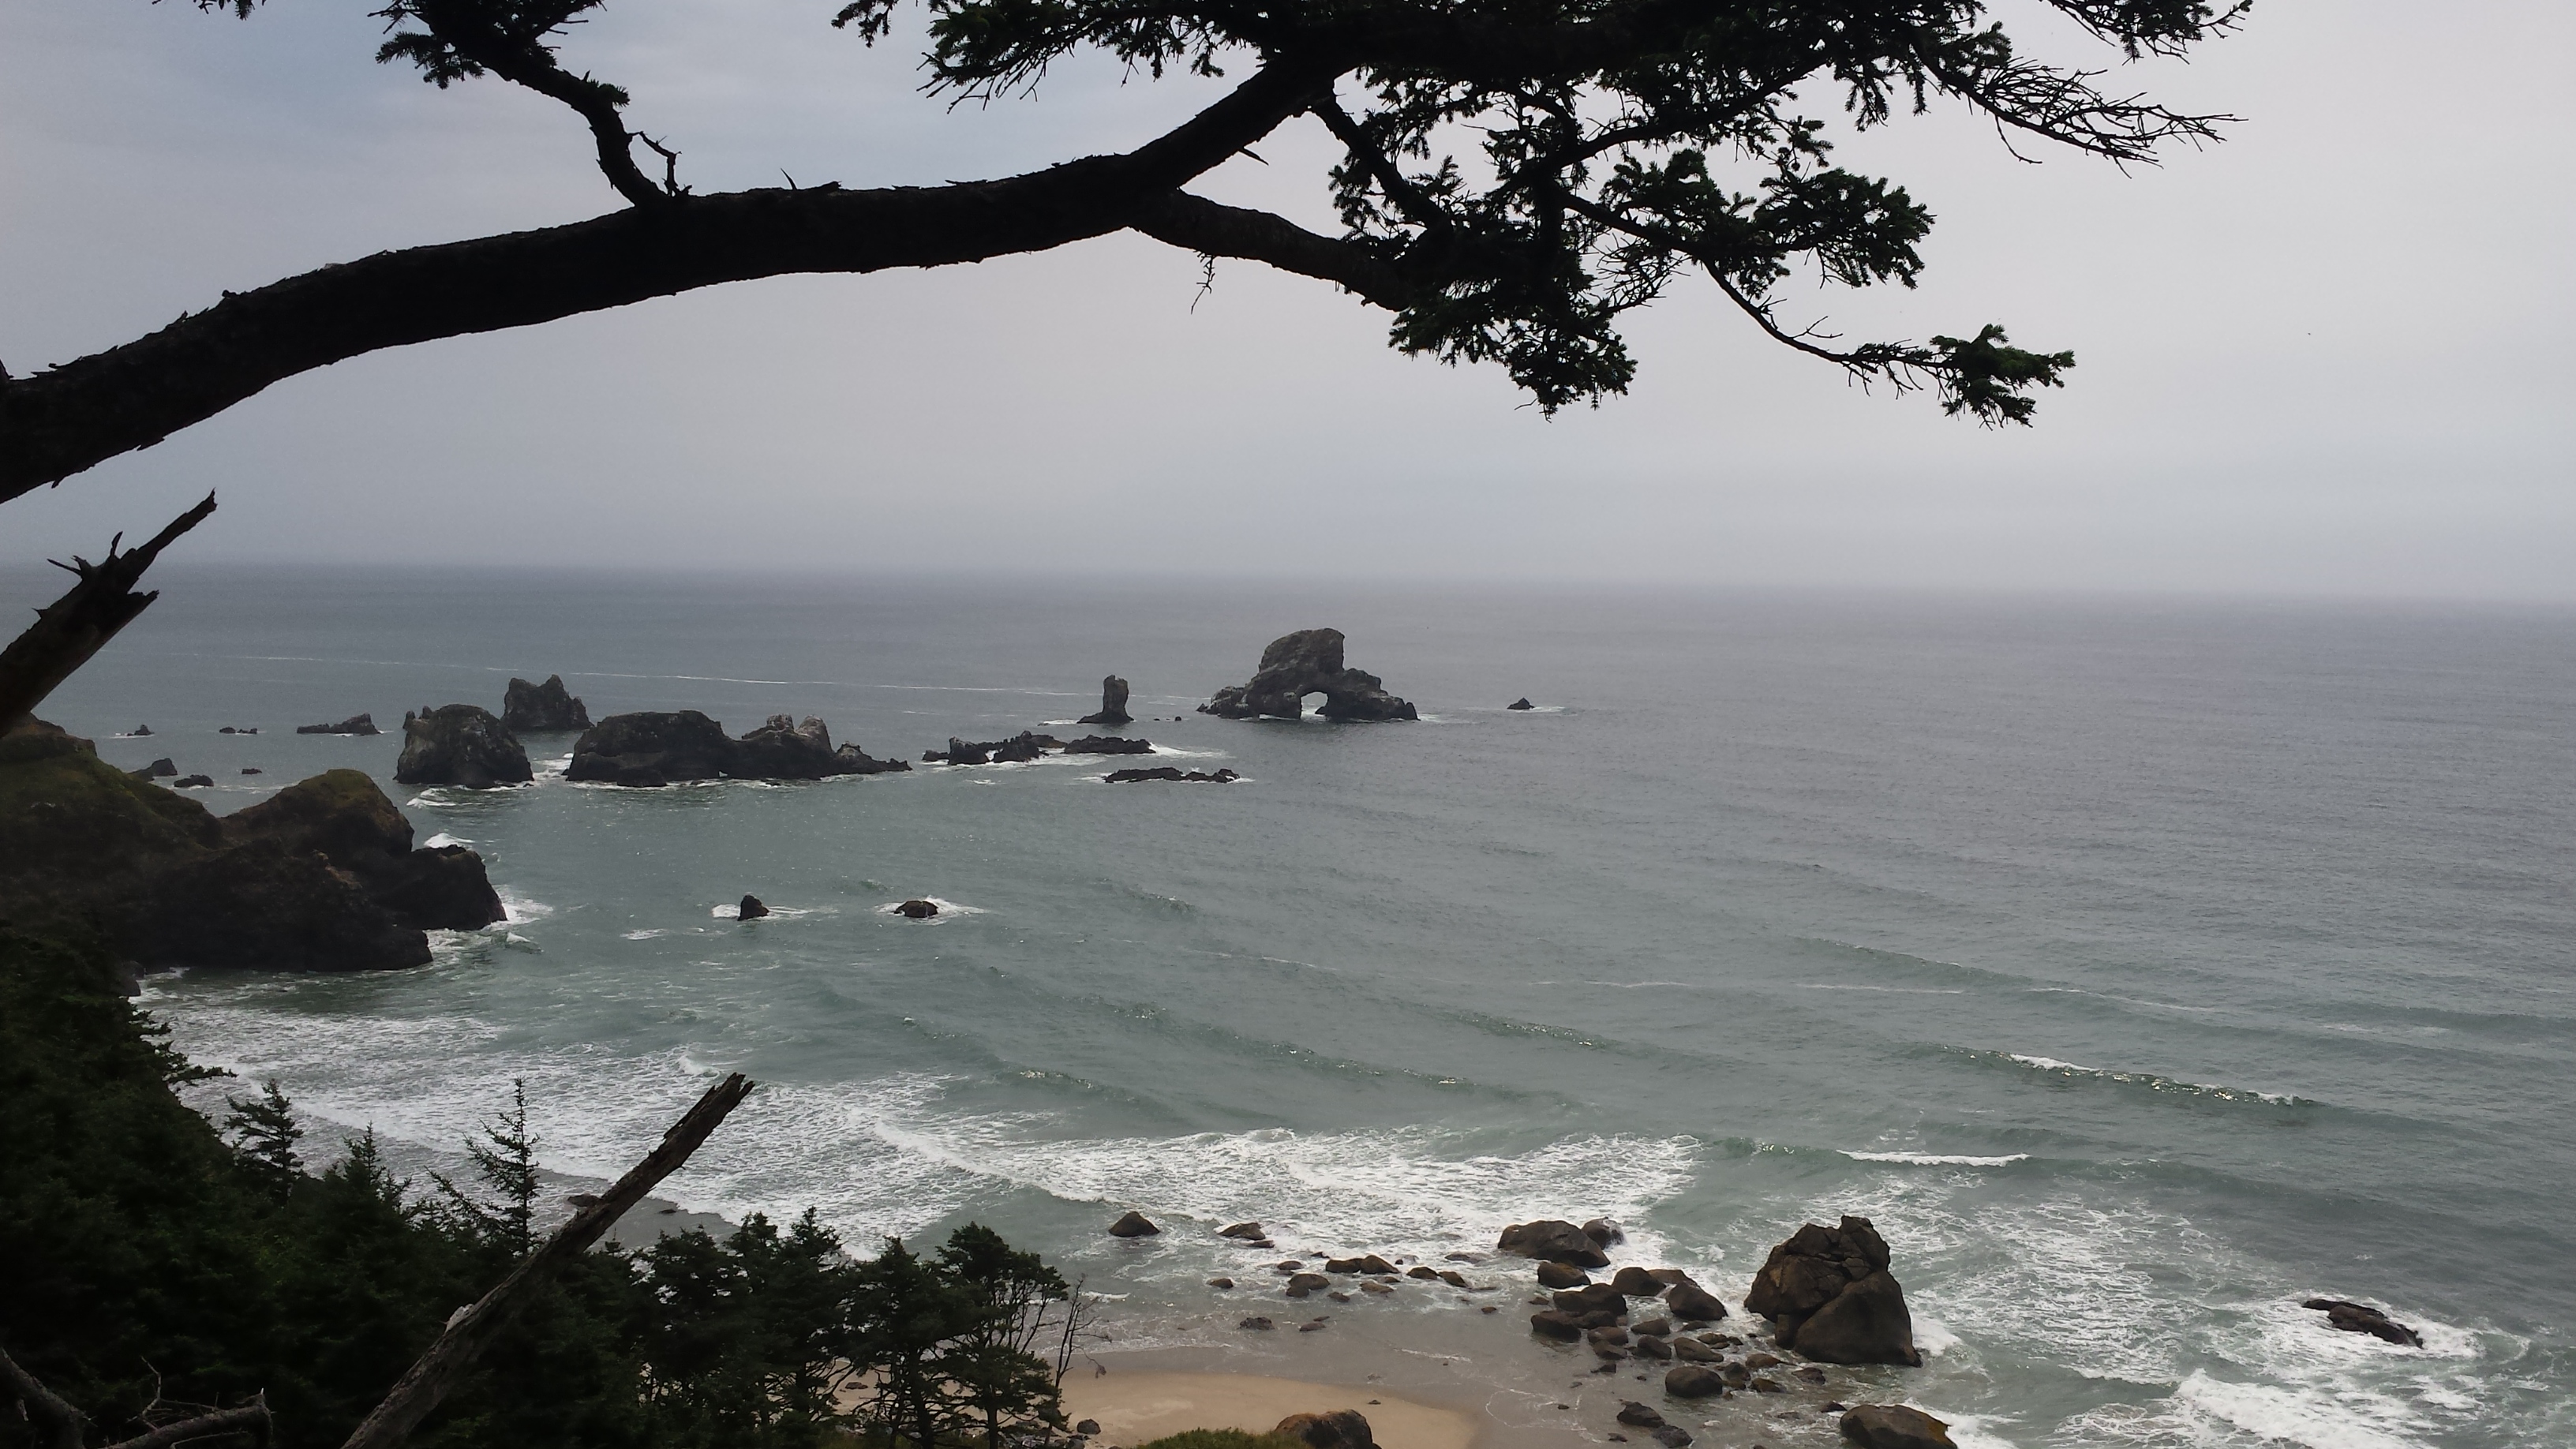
[{"x": 1134, "y": 1407}]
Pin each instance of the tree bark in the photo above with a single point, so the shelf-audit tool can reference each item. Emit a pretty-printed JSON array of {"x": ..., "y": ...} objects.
[
  {"x": 453, "y": 1355},
  {"x": 59, "y": 422},
  {"x": 79, "y": 624},
  {"x": 60, "y": 1423}
]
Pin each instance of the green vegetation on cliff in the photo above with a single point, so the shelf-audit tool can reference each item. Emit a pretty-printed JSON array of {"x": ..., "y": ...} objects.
[{"x": 147, "y": 1255}]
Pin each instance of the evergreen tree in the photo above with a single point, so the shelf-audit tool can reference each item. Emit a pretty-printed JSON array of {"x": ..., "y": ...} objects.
[
  {"x": 994, "y": 1365},
  {"x": 506, "y": 1160},
  {"x": 263, "y": 1131}
]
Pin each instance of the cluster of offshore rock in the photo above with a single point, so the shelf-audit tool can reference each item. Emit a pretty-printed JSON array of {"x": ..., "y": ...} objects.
[
  {"x": 648, "y": 749},
  {"x": 322, "y": 876}
]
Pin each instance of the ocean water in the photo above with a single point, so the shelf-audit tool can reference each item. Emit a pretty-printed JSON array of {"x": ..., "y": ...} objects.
[{"x": 2140, "y": 968}]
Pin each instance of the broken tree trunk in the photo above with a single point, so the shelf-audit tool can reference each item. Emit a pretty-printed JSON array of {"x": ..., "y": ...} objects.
[
  {"x": 449, "y": 1359},
  {"x": 60, "y": 1423},
  {"x": 79, "y": 624}
]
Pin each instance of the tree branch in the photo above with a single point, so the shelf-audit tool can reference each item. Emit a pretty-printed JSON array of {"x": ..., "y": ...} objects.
[
  {"x": 76, "y": 626},
  {"x": 252, "y": 1418},
  {"x": 1214, "y": 229},
  {"x": 44, "y": 1408},
  {"x": 421, "y": 1387},
  {"x": 62, "y": 1423},
  {"x": 56, "y": 423}
]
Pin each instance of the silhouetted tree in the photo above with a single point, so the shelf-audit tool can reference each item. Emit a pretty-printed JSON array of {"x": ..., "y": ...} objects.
[{"x": 1514, "y": 177}]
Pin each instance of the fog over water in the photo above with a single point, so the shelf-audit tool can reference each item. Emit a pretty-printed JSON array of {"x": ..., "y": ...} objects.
[{"x": 2323, "y": 358}]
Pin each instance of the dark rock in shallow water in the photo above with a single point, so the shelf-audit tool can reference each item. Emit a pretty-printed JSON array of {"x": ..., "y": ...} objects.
[
  {"x": 1257, "y": 1323},
  {"x": 651, "y": 748},
  {"x": 460, "y": 744},
  {"x": 1170, "y": 772},
  {"x": 1636, "y": 1283},
  {"x": 1693, "y": 1381},
  {"x": 1596, "y": 1298},
  {"x": 1308, "y": 662},
  {"x": 1521, "y": 703},
  {"x": 1894, "y": 1426},
  {"x": 1247, "y": 1232},
  {"x": 1561, "y": 1275},
  {"x": 142, "y": 731},
  {"x": 1830, "y": 1296},
  {"x": 751, "y": 909},
  {"x": 2361, "y": 1318},
  {"x": 1113, "y": 704},
  {"x": 356, "y": 724},
  {"x": 192, "y": 782},
  {"x": 918, "y": 910},
  {"x": 1109, "y": 745},
  {"x": 1132, "y": 1225},
  {"x": 1553, "y": 1239},
  {"x": 253, "y": 770},
  {"x": 540, "y": 709},
  {"x": 320, "y": 877},
  {"x": 1691, "y": 1302},
  {"x": 1604, "y": 1232},
  {"x": 1640, "y": 1416}
]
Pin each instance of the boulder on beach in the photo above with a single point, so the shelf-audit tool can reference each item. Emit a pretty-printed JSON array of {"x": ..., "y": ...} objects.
[
  {"x": 1693, "y": 1381},
  {"x": 1692, "y": 1303},
  {"x": 2361, "y": 1318},
  {"x": 321, "y": 876},
  {"x": 356, "y": 724},
  {"x": 918, "y": 910},
  {"x": 1257, "y": 1323},
  {"x": 542, "y": 709},
  {"x": 1597, "y": 1298},
  {"x": 1639, "y": 1416},
  {"x": 1561, "y": 1275},
  {"x": 1604, "y": 1232},
  {"x": 1113, "y": 704},
  {"x": 1554, "y": 1239},
  {"x": 1830, "y": 1296},
  {"x": 1894, "y": 1426},
  {"x": 460, "y": 744},
  {"x": 751, "y": 909},
  {"x": 1636, "y": 1283},
  {"x": 1341, "y": 1429},
  {"x": 1308, "y": 662},
  {"x": 1132, "y": 1224}
]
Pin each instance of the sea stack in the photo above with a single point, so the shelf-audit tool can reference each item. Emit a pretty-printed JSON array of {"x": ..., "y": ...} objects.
[
  {"x": 1113, "y": 704},
  {"x": 460, "y": 744},
  {"x": 1308, "y": 662},
  {"x": 542, "y": 709},
  {"x": 1830, "y": 1296}
]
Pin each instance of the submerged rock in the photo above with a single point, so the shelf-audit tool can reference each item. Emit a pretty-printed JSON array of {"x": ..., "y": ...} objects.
[
  {"x": 321, "y": 876},
  {"x": 1133, "y": 1225},
  {"x": 1894, "y": 1426},
  {"x": 1170, "y": 772},
  {"x": 1308, "y": 662},
  {"x": 463, "y": 745},
  {"x": 917, "y": 910},
  {"x": 540, "y": 709},
  {"x": 1830, "y": 1296},
  {"x": 2361, "y": 1318},
  {"x": 1113, "y": 704},
  {"x": 356, "y": 724}
]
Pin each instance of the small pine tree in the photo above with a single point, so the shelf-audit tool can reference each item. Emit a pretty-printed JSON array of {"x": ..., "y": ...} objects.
[
  {"x": 264, "y": 1135},
  {"x": 506, "y": 1160}
]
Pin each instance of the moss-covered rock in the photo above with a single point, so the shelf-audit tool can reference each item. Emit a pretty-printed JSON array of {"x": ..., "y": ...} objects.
[{"x": 321, "y": 877}]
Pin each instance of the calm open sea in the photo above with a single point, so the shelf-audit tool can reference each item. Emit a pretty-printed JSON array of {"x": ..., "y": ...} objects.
[{"x": 2141, "y": 968}]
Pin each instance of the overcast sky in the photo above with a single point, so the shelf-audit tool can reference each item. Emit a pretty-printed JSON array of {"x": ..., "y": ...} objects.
[{"x": 2327, "y": 357}]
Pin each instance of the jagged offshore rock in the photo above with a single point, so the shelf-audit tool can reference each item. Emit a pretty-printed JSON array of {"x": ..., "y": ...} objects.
[
  {"x": 460, "y": 744},
  {"x": 540, "y": 709},
  {"x": 1830, "y": 1296},
  {"x": 356, "y": 724},
  {"x": 1308, "y": 662},
  {"x": 657, "y": 748}
]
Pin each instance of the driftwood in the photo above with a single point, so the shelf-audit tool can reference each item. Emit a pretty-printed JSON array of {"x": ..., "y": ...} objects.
[
  {"x": 59, "y": 1424},
  {"x": 79, "y": 624},
  {"x": 428, "y": 1380}
]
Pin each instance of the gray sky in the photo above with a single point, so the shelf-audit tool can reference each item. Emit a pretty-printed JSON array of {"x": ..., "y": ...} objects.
[{"x": 2326, "y": 357}]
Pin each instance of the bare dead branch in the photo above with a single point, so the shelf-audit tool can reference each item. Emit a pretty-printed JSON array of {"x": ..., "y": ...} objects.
[
  {"x": 59, "y": 1421},
  {"x": 76, "y": 626},
  {"x": 454, "y": 1354}
]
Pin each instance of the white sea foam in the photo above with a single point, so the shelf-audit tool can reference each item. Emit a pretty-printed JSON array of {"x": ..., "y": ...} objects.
[
  {"x": 2154, "y": 1082},
  {"x": 732, "y": 911},
  {"x": 442, "y": 839},
  {"x": 642, "y": 935},
  {"x": 518, "y": 910},
  {"x": 1893, "y": 990},
  {"x": 1935, "y": 1159}
]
